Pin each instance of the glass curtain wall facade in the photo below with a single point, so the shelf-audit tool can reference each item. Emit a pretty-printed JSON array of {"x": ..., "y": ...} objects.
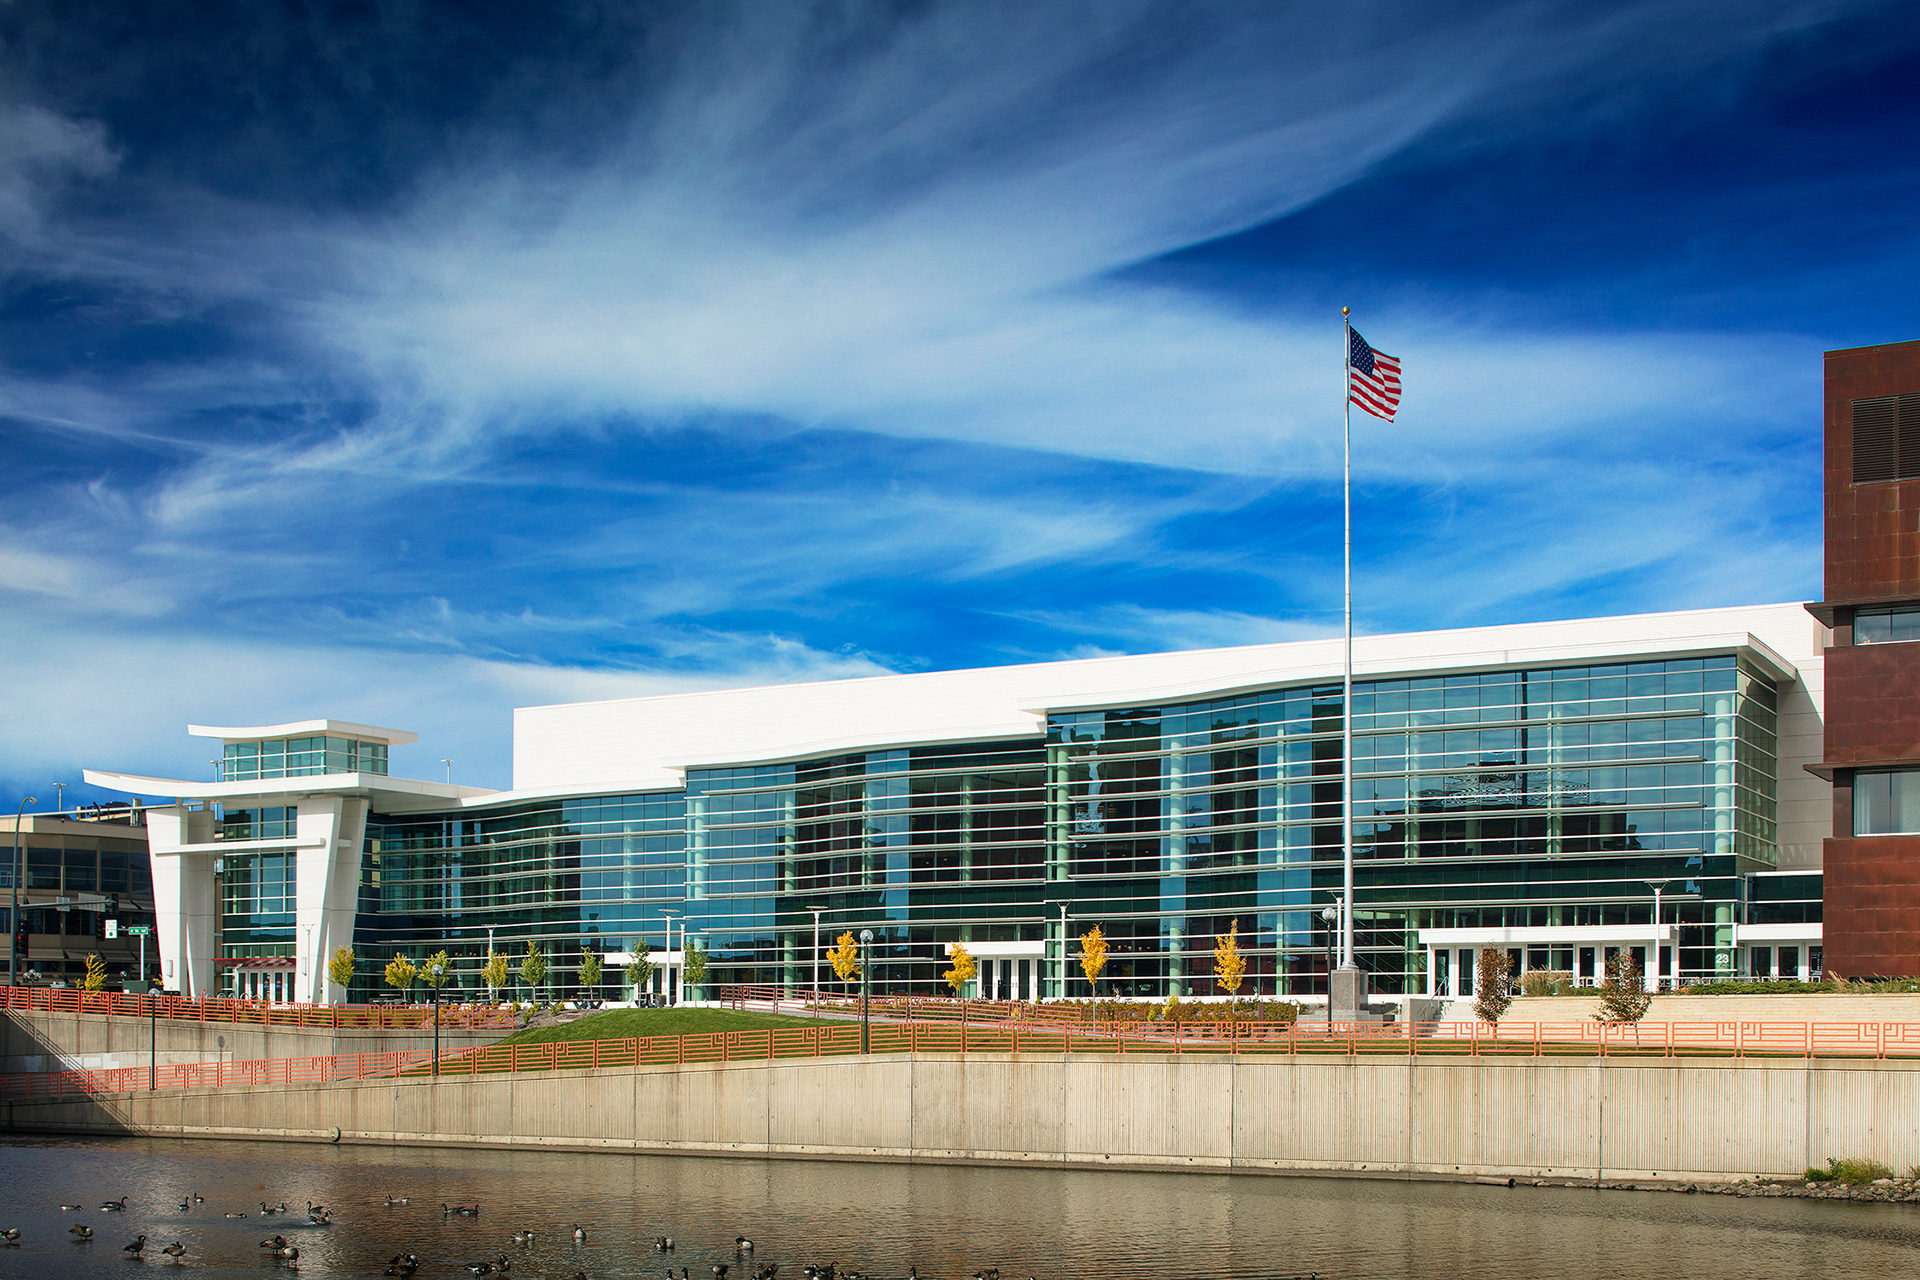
[
  {"x": 589, "y": 872},
  {"x": 1526, "y": 798}
]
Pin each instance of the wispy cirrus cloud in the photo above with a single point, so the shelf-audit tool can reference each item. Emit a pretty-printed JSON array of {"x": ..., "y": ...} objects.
[{"x": 848, "y": 333}]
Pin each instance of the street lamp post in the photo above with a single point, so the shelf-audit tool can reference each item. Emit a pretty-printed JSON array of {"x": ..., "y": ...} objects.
[
  {"x": 60, "y": 801},
  {"x": 671, "y": 984},
  {"x": 866, "y": 981},
  {"x": 13, "y": 916},
  {"x": 437, "y": 971},
  {"x": 1331, "y": 915},
  {"x": 1659, "y": 970},
  {"x": 816, "y": 953}
]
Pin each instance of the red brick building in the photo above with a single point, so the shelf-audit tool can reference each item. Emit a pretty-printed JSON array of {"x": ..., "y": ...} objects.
[{"x": 1872, "y": 602}]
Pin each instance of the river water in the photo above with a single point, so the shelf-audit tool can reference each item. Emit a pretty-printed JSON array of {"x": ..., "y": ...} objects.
[{"x": 881, "y": 1219}]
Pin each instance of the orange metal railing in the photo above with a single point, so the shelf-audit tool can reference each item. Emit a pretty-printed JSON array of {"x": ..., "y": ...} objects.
[
  {"x": 1526, "y": 1040},
  {"x": 254, "y": 1012}
]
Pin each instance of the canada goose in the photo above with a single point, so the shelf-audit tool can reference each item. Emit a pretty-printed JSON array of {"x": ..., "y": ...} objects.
[
  {"x": 395, "y": 1204},
  {"x": 176, "y": 1250},
  {"x": 80, "y": 1232},
  {"x": 719, "y": 1271},
  {"x": 114, "y": 1206},
  {"x": 579, "y": 1234},
  {"x": 12, "y": 1236},
  {"x": 663, "y": 1243},
  {"x": 523, "y": 1237},
  {"x": 278, "y": 1242},
  {"x": 481, "y": 1268},
  {"x": 139, "y": 1243},
  {"x": 236, "y": 1215},
  {"x": 185, "y": 1204},
  {"x": 198, "y": 1198},
  {"x": 290, "y": 1253},
  {"x": 403, "y": 1264},
  {"x": 68, "y": 1208},
  {"x": 503, "y": 1264},
  {"x": 743, "y": 1244}
]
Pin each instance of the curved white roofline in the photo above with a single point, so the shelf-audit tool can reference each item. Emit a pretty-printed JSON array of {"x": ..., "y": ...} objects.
[{"x": 304, "y": 729}]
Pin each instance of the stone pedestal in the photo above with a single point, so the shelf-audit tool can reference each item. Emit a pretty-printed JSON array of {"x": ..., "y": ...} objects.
[{"x": 1349, "y": 995}]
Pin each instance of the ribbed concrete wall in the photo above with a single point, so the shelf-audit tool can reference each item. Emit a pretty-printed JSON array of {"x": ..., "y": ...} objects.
[
  {"x": 1458, "y": 1117},
  {"x": 38, "y": 1040}
]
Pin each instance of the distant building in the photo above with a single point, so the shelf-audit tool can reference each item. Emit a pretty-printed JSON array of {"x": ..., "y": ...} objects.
[
  {"x": 1872, "y": 602},
  {"x": 72, "y": 869}
]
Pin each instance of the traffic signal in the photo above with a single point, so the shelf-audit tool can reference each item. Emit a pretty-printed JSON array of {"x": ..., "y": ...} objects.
[
  {"x": 20, "y": 939},
  {"x": 100, "y": 926},
  {"x": 113, "y": 904}
]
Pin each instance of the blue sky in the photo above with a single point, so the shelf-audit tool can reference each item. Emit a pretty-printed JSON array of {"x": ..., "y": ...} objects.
[{"x": 408, "y": 363}]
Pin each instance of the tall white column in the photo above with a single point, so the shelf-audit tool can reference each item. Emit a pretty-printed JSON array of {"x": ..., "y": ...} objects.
[
  {"x": 182, "y": 903},
  {"x": 332, "y": 832}
]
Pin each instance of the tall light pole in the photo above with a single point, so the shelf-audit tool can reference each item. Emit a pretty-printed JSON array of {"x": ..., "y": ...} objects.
[
  {"x": 449, "y": 765},
  {"x": 671, "y": 983},
  {"x": 1659, "y": 974},
  {"x": 437, "y": 971},
  {"x": 816, "y": 953},
  {"x": 866, "y": 979},
  {"x": 13, "y": 917},
  {"x": 60, "y": 801}
]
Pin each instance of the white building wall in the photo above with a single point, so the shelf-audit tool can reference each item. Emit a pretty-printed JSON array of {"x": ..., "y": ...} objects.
[{"x": 645, "y": 742}]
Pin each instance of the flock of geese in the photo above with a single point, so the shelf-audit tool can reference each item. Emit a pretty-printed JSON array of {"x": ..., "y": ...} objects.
[{"x": 404, "y": 1265}]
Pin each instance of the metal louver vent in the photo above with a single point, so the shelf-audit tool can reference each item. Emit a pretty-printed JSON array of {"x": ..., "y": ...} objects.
[{"x": 1886, "y": 438}]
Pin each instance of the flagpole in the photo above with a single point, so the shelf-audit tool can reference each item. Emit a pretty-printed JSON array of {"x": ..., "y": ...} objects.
[{"x": 1346, "y": 674}]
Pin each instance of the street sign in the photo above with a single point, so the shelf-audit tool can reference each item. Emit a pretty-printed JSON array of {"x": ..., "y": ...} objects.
[
  {"x": 138, "y": 930},
  {"x": 113, "y": 928}
]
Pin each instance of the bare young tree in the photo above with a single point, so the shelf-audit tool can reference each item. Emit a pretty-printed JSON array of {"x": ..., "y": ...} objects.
[
  {"x": 1492, "y": 984},
  {"x": 1623, "y": 995}
]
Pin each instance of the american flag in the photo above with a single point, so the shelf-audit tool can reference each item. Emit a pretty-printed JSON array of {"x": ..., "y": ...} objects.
[{"x": 1373, "y": 378}]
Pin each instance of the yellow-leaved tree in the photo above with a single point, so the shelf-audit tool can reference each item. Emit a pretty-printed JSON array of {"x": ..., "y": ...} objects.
[
  {"x": 845, "y": 958},
  {"x": 445, "y": 964},
  {"x": 495, "y": 973},
  {"x": 96, "y": 974},
  {"x": 963, "y": 966},
  {"x": 1229, "y": 966},
  {"x": 340, "y": 968},
  {"x": 401, "y": 972},
  {"x": 1093, "y": 957}
]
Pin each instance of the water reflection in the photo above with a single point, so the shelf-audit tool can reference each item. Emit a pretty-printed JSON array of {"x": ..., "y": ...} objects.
[{"x": 881, "y": 1219}]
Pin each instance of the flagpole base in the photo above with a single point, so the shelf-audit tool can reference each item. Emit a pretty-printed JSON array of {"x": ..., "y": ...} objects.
[{"x": 1348, "y": 995}]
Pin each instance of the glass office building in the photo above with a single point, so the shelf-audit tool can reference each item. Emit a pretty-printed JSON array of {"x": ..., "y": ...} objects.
[
  {"x": 1524, "y": 787},
  {"x": 1541, "y": 797}
]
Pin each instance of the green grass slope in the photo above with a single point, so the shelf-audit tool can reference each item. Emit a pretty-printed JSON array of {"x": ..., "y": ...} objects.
[{"x": 621, "y": 1024}]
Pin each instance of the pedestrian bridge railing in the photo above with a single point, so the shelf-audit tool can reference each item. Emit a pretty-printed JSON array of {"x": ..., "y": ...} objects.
[{"x": 1874, "y": 1041}]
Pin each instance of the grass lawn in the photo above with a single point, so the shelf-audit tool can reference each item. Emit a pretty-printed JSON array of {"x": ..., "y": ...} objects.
[{"x": 620, "y": 1024}]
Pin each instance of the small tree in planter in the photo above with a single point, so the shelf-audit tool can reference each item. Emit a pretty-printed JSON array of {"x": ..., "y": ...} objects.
[
  {"x": 637, "y": 974},
  {"x": 696, "y": 970},
  {"x": 845, "y": 957},
  {"x": 494, "y": 974},
  {"x": 1623, "y": 995},
  {"x": 401, "y": 973},
  {"x": 533, "y": 969},
  {"x": 963, "y": 967},
  {"x": 1492, "y": 989},
  {"x": 340, "y": 969},
  {"x": 590, "y": 969},
  {"x": 1229, "y": 966}
]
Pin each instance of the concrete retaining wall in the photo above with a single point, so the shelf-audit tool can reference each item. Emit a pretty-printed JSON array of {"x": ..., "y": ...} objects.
[
  {"x": 1585, "y": 1118},
  {"x": 37, "y": 1040}
]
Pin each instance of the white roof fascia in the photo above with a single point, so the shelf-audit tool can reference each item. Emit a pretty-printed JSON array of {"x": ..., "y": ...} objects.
[
  {"x": 389, "y": 790},
  {"x": 790, "y": 752},
  {"x": 305, "y": 729},
  {"x": 1372, "y": 667}
]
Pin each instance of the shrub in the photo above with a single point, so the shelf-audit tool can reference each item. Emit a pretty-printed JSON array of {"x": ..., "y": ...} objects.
[
  {"x": 1546, "y": 982},
  {"x": 1849, "y": 1171}
]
